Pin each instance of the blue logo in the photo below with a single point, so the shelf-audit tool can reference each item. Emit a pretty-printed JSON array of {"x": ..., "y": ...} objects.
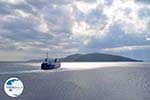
[{"x": 13, "y": 87}]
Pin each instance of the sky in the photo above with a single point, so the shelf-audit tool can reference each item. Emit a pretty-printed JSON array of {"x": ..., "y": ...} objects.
[{"x": 30, "y": 28}]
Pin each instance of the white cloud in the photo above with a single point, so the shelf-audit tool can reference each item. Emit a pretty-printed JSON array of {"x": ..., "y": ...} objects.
[
  {"x": 71, "y": 50},
  {"x": 85, "y": 7},
  {"x": 22, "y": 13},
  {"x": 127, "y": 48},
  {"x": 126, "y": 13},
  {"x": 14, "y": 2},
  {"x": 83, "y": 29},
  {"x": 43, "y": 26}
]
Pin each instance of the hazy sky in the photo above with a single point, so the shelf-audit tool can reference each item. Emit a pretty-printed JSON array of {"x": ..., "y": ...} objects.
[{"x": 29, "y": 28}]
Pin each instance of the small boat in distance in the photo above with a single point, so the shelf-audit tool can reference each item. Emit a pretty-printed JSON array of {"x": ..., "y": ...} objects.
[{"x": 50, "y": 63}]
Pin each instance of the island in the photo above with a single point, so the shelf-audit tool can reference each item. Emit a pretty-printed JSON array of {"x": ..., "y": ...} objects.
[{"x": 92, "y": 57}]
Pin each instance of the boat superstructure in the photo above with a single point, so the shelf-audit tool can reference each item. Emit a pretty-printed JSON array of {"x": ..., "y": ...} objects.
[{"x": 50, "y": 63}]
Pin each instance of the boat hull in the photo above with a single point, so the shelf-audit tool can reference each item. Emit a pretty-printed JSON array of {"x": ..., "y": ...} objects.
[{"x": 46, "y": 66}]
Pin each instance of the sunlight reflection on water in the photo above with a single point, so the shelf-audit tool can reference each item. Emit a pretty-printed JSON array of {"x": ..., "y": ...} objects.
[
  {"x": 66, "y": 66},
  {"x": 92, "y": 65}
]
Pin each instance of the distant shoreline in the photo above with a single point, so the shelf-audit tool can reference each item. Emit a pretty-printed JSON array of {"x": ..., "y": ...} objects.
[{"x": 92, "y": 57}]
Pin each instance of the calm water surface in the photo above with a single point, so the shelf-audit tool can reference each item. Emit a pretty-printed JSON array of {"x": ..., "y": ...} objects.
[{"x": 80, "y": 81}]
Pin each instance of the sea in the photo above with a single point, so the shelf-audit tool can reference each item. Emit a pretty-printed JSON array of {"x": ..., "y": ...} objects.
[{"x": 79, "y": 81}]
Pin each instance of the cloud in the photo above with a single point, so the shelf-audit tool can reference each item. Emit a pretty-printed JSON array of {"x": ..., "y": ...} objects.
[
  {"x": 58, "y": 19},
  {"x": 40, "y": 4},
  {"x": 117, "y": 37},
  {"x": 8, "y": 6},
  {"x": 131, "y": 51},
  {"x": 123, "y": 48},
  {"x": 143, "y": 1},
  {"x": 65, "y": 27}
]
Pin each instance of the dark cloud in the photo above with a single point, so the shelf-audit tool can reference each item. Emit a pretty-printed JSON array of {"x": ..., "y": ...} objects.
[
  {"x": 143, "y": 1},
  {"x": 39, "y": 4},
  {"x": 109, "y": 2},
  {"x": 138, "y": 53},
  {"x": 144, "y": 12},
  {"x": 87, "y": 1},
  {"x": 4, "y": 9},
  {"x": 116, "y": 37},
  {"x": 95, "y": 17},
  {"x": 8, "y": 8},
  {"x": 22, "y": 30},
  {"x": 58, "y": 19}
]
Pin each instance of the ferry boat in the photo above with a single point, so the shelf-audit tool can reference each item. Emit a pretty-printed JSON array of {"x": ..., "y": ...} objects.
[{"x": 50, "y": 63}]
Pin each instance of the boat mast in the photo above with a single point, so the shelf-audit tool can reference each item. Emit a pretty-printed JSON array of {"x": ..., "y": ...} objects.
[{"x": 47, "y": 55}]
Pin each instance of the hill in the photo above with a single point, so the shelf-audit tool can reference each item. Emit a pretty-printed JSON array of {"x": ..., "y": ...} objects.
[
  {"x": 95, "y": 57},
  {"x": 92, "y": 57}
]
